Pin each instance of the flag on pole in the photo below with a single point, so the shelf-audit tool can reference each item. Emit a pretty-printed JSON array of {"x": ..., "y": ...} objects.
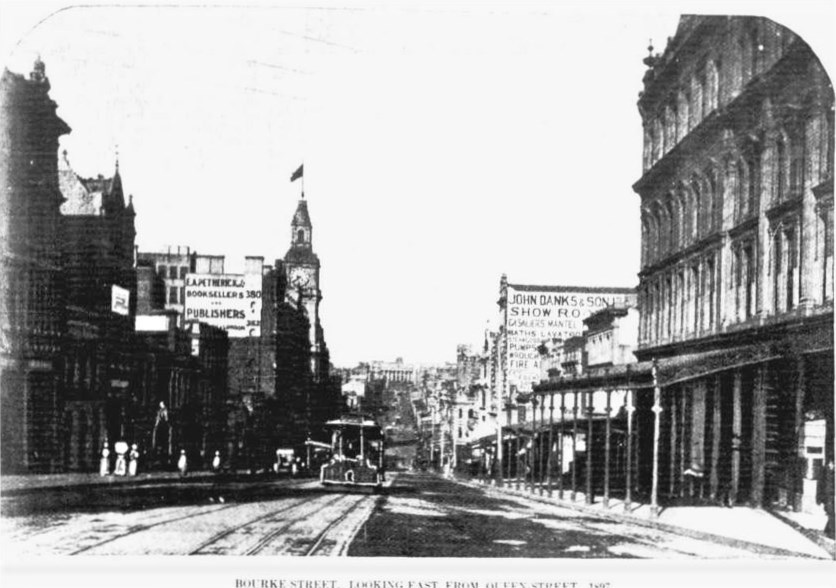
[{"x": 297, "y": 174}]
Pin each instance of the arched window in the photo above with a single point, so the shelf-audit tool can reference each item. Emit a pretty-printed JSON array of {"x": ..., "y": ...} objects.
[
  {"x": 682, "y": 115},
  {"x": 740, "y": 190},
  {"x": 715, "y": 202},
  {"x": 697, "y": 211},
  {"x": 658, "y": 140},
  {"x": 670, "y": 128},
  {"x": 755, "y": 50},
  {"x": 781, "y": 169},
  {"x": 670, "y": 210},
  {"x": 300, "y": 236},
  {"x": 696, "y": 102},
  {"x": 712, "y": 86}
]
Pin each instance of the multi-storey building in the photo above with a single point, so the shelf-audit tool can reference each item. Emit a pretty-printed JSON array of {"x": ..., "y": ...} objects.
[
  {"x": 736, "y": 281},
  {"x": 172, "y": 266},
  {"x": 32, "y": 319},
  {"x": 530, "y": 314},
  {"x": 306, "y": 394},
  {"x": 97, "y": 228}
]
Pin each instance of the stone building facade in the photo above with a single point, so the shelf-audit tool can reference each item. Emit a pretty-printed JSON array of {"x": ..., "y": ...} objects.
[
  {"x": 736, "y": 281},
  {"x": 32, "y": 318},
  {"x": 97, "y": 228}
]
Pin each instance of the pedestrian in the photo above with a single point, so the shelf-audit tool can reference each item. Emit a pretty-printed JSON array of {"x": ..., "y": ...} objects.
[
  {"x": 694, "y": 475},
  {"x": 183, "y": 464},
  {"x": 104, "y": 462},
  {"x": 825, "y": 497},
  {"x": 133, "y": 461},
  {"x": 121, "y": 468},
  {"x": 216, "y": 462}
]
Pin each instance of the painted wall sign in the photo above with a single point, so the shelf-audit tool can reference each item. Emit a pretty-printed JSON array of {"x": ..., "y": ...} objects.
[
  {"x": 534, "y": 316},
  {"x": 229, "y": 301}
]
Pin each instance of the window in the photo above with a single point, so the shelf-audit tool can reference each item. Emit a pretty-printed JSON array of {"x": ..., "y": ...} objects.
[
  {"x": 749, "y": 276},
  {"x": 695, "y": 297},
  {"x": 754, "y": 52},
  {"x": 161, "y": 270},
  {"x": 172, "y": 295},
  {"x": 300, "y": 236},
  {"x": 780, "y": 169},
  {"x": 709, "y": 291},
  {"x": 776, "y": 271},
  {"x": 183, "y": 271},
  {"x": 172, "y": 272},
  {"x": 682, "y": 115},
  {"x": 791, "y": 269}
]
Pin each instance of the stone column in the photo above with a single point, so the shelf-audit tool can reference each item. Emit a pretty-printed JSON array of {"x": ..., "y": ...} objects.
[
  {"x": 607, "y": 434},
  {"x": 575, "y": 447},
  {"x": 589, "y": 410},
  {"x": 737, "y": 425},
  {"x": 674, "y": 440},
  {"x": 628, "y": 496},
  {"x": 759, "y": 436},
  {"x": 714, "y": 476},
  {"x": 550, "y": 458},
  {"x": 657, "y": 421},
  {"x": 541, "y": 453},
  {"x": 560, "y": 447}
]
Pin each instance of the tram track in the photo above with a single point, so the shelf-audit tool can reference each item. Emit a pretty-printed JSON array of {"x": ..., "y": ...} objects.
[
  {"x": 229, "y": 540},
  {"x": 195, "y": 513}
]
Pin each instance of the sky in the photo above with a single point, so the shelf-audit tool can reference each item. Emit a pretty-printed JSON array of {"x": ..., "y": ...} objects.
[{"x": 444, "y": 145}]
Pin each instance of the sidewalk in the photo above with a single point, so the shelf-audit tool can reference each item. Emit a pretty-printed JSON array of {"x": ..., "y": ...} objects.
[
  {"x": 16, "y": 484},
  {"x": 751, "y": 528}
]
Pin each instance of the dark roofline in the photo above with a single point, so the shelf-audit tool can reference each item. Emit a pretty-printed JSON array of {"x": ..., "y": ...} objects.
[{"x": 589, "y": 289}]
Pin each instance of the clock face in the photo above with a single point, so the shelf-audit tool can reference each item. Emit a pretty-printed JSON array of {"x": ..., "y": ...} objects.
[{"x": 300, "y": 277}]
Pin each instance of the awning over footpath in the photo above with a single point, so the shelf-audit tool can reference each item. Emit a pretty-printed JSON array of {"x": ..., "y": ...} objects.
[{"x": 669, "y": 370}]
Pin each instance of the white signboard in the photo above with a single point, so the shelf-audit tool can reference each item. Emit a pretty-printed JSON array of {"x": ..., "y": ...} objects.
[
  {"x": 536, "y": 315},
  {"x": 119, "y": 300},
  {"x": 229, "y": 301},
  {"x": 151, "y": 323}
]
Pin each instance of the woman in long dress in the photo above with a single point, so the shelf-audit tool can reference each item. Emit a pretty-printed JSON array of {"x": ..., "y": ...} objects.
[
  {"x": 133, "y": 463},
  {"x": 104, "y": 462}
]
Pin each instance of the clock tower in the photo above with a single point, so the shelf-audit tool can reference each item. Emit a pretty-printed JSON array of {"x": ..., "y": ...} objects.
[{"x": 302, "y": 270}]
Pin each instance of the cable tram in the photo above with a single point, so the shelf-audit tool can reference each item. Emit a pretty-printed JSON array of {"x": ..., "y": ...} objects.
[{"x": 357, "y": 447}]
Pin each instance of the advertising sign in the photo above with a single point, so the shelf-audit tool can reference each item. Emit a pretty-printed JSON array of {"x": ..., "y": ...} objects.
[
  {"x": 119, "y": 300},
  {"x": 537, "y": 314},
  {"x": 229, "y": 301}
]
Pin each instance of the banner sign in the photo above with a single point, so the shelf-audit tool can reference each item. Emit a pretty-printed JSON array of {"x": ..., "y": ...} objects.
[
  {"x": 537, "y": 314},
  {"x": 120, "y": 300},
  {"x": 229, "y": 301}
]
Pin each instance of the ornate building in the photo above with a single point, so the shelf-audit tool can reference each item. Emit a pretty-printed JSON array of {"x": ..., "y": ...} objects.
[
  {"x": 305, "y": 392},
  {"x": 97, "y": 228},
  {"x": 32, "y": 320},
  {"x": 736, "y": 281},
  {"x": 302, "y": 268}
]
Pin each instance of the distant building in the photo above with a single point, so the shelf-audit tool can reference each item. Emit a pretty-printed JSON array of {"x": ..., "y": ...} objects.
[
  {"x": 172, "y": 266},
  {"x": 531, "y": 314},
  {"x": 32, "y": 318},
  {"x": 394, "y": 371}
]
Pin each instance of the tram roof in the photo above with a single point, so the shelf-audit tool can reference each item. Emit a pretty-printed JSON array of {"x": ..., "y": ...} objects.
[{"x": 353, "y": 421}]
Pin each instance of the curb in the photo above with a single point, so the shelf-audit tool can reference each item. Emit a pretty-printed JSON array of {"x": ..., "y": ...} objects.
[
  {"x": 130, "y": 482},
  {"x": 684, "y": 531},
  {"x": 817, "y": 537}
]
